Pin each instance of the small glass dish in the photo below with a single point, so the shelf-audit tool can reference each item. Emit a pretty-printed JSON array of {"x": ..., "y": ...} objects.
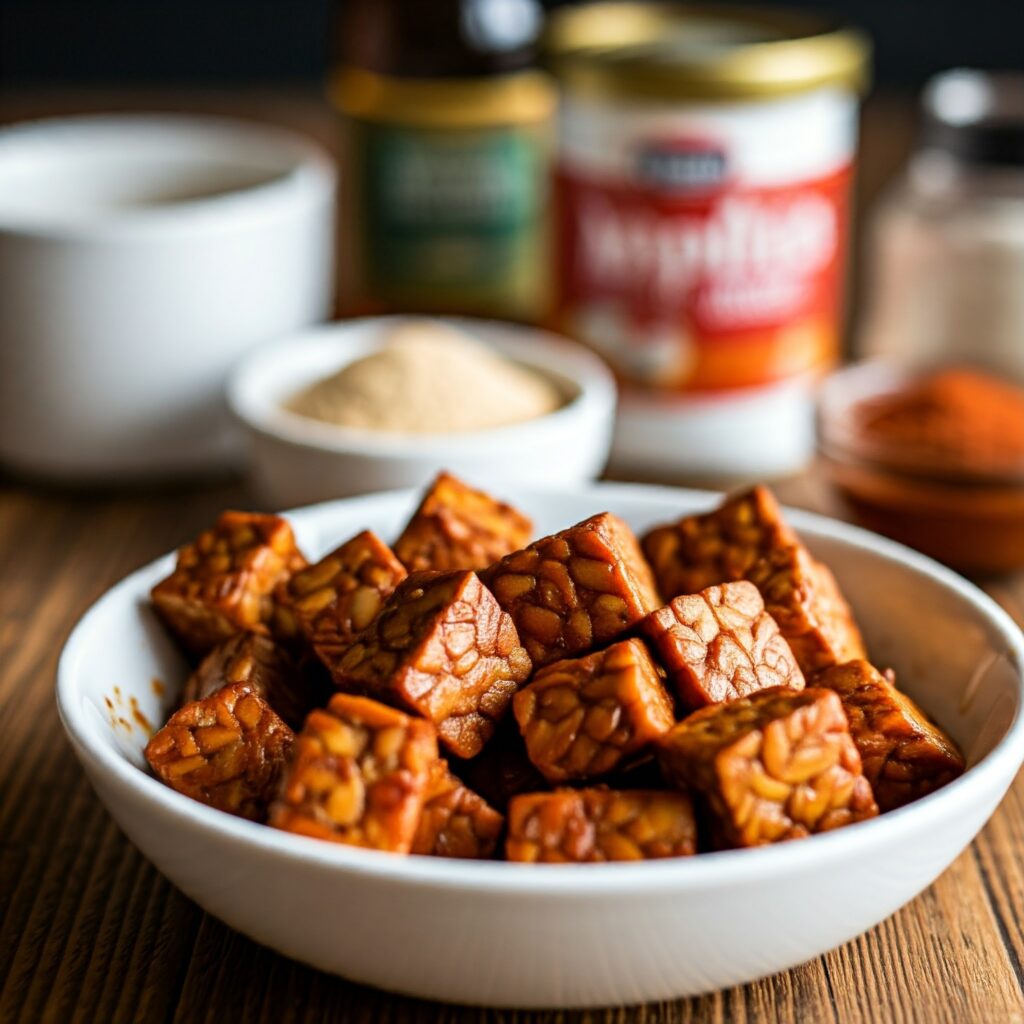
[{"x": 970, "y": 516}]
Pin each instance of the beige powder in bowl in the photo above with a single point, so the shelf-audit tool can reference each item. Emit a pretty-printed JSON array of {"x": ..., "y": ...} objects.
[{"x": 429, "y": 379}]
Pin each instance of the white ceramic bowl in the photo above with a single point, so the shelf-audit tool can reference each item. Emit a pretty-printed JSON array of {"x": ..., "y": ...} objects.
[
  {"x": 557, "y": 935},
  {"x": 297, "y": 460},
  {"x": 140, "y": 256}
]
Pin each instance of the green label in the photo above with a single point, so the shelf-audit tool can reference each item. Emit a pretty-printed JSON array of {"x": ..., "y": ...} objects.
[{"x": 452, "y": 213}]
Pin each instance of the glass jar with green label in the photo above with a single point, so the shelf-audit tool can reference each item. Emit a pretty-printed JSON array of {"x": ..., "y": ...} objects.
[{"x": 446, "y": 145}]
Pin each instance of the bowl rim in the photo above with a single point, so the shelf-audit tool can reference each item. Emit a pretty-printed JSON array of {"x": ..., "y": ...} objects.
[
  {"x": 552, "y": 355},
  {"x": 580, "y": 880},
  {"x": 308, "y": 177}
]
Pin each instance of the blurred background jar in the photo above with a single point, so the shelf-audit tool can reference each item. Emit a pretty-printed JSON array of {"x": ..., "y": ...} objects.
[
  {"x": 702, "y": 207},
  {"x": 947, "y": 246},
  {"x": 445, "y": 160}
]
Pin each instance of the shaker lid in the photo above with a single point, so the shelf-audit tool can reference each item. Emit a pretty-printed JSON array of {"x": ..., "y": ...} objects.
[{"x": 977, "y": 116}]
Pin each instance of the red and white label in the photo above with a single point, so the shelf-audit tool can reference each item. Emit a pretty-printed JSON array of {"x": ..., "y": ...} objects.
[{"x": 696, "y": 251}]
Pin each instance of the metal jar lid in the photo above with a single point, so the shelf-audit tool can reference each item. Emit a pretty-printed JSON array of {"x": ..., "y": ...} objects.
[{"x": 683, "y": 51}]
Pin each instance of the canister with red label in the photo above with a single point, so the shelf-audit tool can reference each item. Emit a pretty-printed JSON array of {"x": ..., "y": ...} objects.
[{"x": 703, "y": 203}]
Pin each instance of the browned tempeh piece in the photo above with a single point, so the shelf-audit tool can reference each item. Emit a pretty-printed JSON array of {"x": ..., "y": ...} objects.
[
  {"x": 266, "y": 667},
  {"x": 443, "y": 648},
  {"x": 456, "y": 822},
  {"x": 804, "y": 599},
  {"x": 339, "y": 596},
  {"x": 575, "y": 590},
  {"x": 459, "y": 527},
  {"x": 225, "y": 580},
  {"x": 359, "y": 775},
  {"x": 583, "y": 717},
  {"x": 747, "y": 538},
  {"x": 720, "y": 644},
  {"x": 575, "y": 826},
  {"x": 780, "y": 764},
  {"x": 227, "y": 750},
  {"x": 905, "y": 756},
  {"x": 718, "y": 546}
]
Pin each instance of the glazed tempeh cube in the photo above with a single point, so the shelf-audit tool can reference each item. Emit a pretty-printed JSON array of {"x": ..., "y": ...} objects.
[
  {"x": 574, "y": 826},
  {"x": 443, "y": 648},
  {"x": 575, "y": 590},
  {"x": 583, "y": 717},
  {"x": 359, "y": 775},
  {"x": 804, "y": 599},
  {"x": 343, "y": 593},
  {"x": 780, "y": 764},
  {"x": 747, "y": 538},
  {"x": 458, "y": 527},
  {"x": 227, "y": 751},
  {"x": 904, "y": 755},
  {"x": 263, "y": 665},
  {"x": 456, "y": 822},
  {"x": 224, "y": 581},
  {"x": 717, "y": 547},
  {"x": 720, "y": 644}
]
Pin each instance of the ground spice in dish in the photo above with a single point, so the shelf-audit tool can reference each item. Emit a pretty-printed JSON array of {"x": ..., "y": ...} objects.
[
  {"x": 429, "y": 379},
  {"x": 936, "y": 463},
  {"x": 962, "y": 418}
]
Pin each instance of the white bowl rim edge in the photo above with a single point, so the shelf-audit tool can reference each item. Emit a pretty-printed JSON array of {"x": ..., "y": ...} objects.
[{"x": 310, "y": 179}]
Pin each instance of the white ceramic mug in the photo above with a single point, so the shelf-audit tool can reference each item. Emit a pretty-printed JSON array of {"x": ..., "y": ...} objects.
[{"x": 139, "y": 258}]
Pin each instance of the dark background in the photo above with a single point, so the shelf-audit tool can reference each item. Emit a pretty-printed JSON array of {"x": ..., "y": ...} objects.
[{"x": 239, "y": 42}]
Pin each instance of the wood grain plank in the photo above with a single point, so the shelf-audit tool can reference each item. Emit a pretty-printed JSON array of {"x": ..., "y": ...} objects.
[
  {"x": 940, "y": 958},
  {"x": 51, "y": 860},
  {"x": 997, "y": 855},
  {"x": 91, "y": 936},
  {"x": 50, "y": 920},
  {"x": 114, "y": 949},
  {"x": 800, "y": 994}
]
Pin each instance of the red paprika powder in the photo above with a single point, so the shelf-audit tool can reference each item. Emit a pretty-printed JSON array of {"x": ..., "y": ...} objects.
[
  {"x": 960, "y": 421},
  {"x": 934, "y": 461}
]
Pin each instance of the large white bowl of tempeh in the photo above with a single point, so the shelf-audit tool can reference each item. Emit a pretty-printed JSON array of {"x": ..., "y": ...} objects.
[{"x": 657, "y": 681}]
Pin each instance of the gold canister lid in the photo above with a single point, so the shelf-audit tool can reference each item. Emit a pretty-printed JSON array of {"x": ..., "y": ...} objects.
[
  {"x": 692, "y": 51},
  {"x": 522, "y": 97}
]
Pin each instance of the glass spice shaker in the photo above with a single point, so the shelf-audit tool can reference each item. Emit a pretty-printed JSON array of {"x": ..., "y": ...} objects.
[{"x": 947, "y": 243}]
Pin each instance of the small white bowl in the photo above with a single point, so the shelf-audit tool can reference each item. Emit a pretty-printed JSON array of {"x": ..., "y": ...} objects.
[
  {"x": 554, "y": 935},
  {"x": 297, "y": 460}
]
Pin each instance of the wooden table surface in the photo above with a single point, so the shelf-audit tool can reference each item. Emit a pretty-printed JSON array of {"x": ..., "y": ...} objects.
[{"x": 90, "y": 932}]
